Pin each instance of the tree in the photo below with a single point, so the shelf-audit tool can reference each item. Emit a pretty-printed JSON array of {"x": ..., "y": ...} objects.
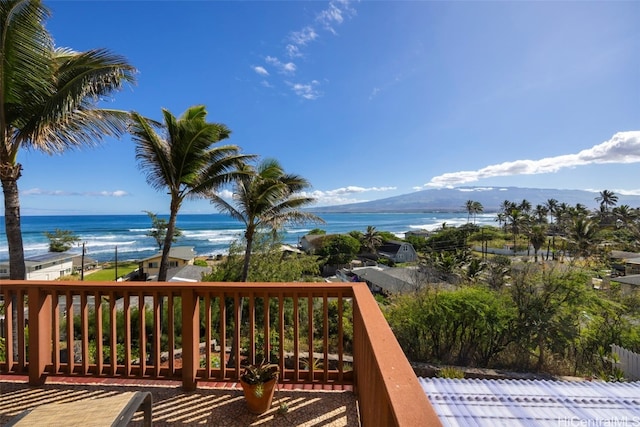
[
  {"x": 159, "y": 230},
  {"x": 48, "y": 102},
  {"x": 607, "y": 199},
  {"x": 537, "y": 237},
  {"x": 551, "y": 205},
  {"x": 339, "y": 249},
  {"x": 582, "y": 235},
  {"x": 184, "y": 162},
  {"x": 371, "y": 239},
  {"x": 61, "y": 240},
  {"x": 266, "y": 198},
  {"x": 273, "y": 265},
  {"x": 473, "y": 208}
]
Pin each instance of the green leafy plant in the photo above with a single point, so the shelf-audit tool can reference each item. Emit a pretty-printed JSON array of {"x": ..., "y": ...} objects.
[
  {"x": 451, "y": 373},
  {"x": 259, "y": 374}
]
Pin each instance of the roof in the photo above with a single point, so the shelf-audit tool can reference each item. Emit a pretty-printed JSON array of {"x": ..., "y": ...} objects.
[
  {"x": 391, "y": 246},
  {"x": 632, "y": 279},
  {"x": 48, "y": 257},
  {"x": 187, "y": 273},
  {"x": 623, "y": 254},
  {"x": 481, "y": 402},
  {"x": 390, "y": 279},
  {"x": 177, "y": 252}
]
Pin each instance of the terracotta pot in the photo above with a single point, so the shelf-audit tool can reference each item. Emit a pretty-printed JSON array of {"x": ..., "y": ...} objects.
[{"x": 259, "y": 405}]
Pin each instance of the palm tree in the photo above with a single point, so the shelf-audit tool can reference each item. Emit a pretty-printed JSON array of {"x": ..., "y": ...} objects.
[
  {"x": 537, "y": 237},
  {"x": 582, "y": 235},
  {"x": 476, "y": 208},
  {"x": 625, "y": 215},
  {"x": 48, "y": 102},
  {"x": 371, "y": 239},
  {"x": 551, "y": 205},
  {"x": 540, "y": 213},
  {"x": 184, "y": 162},
  {"x": 607, "y": 199},
  {"x": 525, "y": 206},
  {"x": 266, "y": 198}
]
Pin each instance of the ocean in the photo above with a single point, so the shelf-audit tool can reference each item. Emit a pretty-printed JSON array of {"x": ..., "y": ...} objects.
[{"x": 209, "y": 234}]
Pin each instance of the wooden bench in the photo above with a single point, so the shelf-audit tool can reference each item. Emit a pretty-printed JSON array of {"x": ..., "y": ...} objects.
[{"x": 116, "y": 410}]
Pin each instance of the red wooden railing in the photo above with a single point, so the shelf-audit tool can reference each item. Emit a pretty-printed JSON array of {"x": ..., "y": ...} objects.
[{"x": 316, "y": 332}]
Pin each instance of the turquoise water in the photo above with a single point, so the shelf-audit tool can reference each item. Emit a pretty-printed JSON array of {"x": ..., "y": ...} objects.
[{"x": 210, "y": 234}]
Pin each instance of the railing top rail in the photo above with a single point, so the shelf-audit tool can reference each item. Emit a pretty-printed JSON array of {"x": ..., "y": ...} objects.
[{"x": 244, "y": 288}]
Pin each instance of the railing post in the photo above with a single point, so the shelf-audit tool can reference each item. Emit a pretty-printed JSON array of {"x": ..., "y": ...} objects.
[
  {"x": 190, "y": 338},
  {"x": 40, "y": 348}
]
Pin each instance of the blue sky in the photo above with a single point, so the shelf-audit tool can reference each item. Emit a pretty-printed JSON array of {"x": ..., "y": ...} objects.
[{"x": 366, "y": 99}]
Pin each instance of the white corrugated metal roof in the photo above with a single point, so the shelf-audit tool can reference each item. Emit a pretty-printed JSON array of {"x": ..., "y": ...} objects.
[{"x": 474, "y": 402}]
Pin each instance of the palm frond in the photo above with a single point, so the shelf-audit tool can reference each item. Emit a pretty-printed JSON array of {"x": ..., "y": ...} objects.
[{"x": 152, "y": 152}]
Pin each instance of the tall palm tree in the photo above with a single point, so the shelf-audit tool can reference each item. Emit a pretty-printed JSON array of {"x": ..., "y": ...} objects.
[
  {"x": 371, "y": 239},
  {"x": 607, "y": 199},
  {"x": 266, "y": 198},
  {"x": 540, "y": 213},
  {"x": 625, "y": 215},
  {"x": 184, "y": 161},
  {"x": 476, "y": 208},
  {"x": 551, "y": 205},
  {"x": 48, "y": 102},
  {"x": 582, "y": 235},
  {"x": 537, "y": 237},
  {"x": 469, "y": 207}
]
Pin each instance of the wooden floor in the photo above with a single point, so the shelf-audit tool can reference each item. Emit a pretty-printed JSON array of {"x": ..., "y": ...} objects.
[{"x": 212, "y": 404}]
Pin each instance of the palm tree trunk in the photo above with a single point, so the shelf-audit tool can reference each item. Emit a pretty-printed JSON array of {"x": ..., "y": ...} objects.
[
  {"x": 168, "y": 239},
  {"x": 247, "y": 256},
  {"x": 9, "y": 175}
]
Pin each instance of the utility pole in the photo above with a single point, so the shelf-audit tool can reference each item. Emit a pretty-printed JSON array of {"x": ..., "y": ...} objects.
[{"x": 82, "y": 263}]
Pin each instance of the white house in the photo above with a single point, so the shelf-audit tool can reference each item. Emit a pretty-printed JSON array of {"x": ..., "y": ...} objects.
[
  {"x": 49, "y": 266},
  {"x": 179, "y": 256}
]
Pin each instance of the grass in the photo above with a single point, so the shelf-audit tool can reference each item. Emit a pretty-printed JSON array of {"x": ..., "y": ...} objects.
[{"x": 109, "y": 273}]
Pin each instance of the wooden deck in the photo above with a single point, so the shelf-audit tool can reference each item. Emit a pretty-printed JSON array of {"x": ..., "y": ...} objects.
[{"x": 211, "y": 404}]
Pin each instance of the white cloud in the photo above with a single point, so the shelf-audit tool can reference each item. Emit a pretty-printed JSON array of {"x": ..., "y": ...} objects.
[
  {"x": 306, "y": 91},
  {"x": 225, "y": 194},
  {"x": 293, "y": 51},
  {"x": 304, "y": 36},
  {"x": 340, "y": 196},
  {"x": 284, "y": 68},
  {"x": 261, "y": 70},
  {"x": 623, "y": 147},
  {"x": 40, "y": 192},
  {"x": 335, "y": 14}
]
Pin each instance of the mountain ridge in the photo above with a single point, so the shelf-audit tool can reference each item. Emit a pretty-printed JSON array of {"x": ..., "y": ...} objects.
[{"x": 454, "y": 199}]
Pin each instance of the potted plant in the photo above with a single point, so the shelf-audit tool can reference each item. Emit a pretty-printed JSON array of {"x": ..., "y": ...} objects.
[{"x": 258, "y": 383}]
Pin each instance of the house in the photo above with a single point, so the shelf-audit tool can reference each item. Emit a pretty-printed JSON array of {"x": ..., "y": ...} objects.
[
  {"x": 632, "y": 266},
  {"x": 418, "y": 233},
  {"x": 311, "y": 242},
  {"x": 49, "y": 266},
  {"x": 628, "y": 284},
  {"x": 625, "y": 263},
  {"x": 398, "y": 251},
  {"x": 88, "y": 263},
  {"x": 187, "y": 273},
  {"x": 384, "y": 280},
  {"x": 179, "y": 256}
]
